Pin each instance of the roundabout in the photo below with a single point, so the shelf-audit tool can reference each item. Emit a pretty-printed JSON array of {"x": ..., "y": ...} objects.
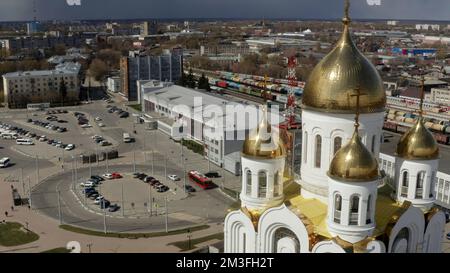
[{"x": 59, "y": 197}]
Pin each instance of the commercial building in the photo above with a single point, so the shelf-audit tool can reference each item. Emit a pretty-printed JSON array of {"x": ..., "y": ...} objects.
[
  {"x": 166, "y": 67},
  {"x": 186, "y": 113},
  {"x": 220, "y": 49},
  {"x": 440, "y": 95},
  {"x": 149, "y": 28},
  {"x": 42, "y": 86},
  {"x": 33, "y": 27},
  {"x": 113, "y": 84}
]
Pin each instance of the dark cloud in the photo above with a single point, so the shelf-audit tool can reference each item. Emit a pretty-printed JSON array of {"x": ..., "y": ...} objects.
[{"x": 296, "y": 9}]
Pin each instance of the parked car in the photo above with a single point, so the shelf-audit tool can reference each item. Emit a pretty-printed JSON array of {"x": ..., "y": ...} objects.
[
  {"x": 212, "y": 174},
  {"x": 87, "y": 190},
  {"x": 113, "y": 208},
  {"x": 162, "y": 188},
  {"x": 148, "y": 179},
  {"x": 173, "y": 177},
  {"x": 87, "y": 184},
  {"x": 107, "y": 176},
  {"x": 189, "y": 188},
  {"x": 448, "y": 236},
  {"x": 124, "y": 115},
  {"x": 94, "y": 196},
  {"x": 101, "y": 125},
  {"x": 104, "y": 204},
  {"x": 116, "y": 175},
  {"x": 86, "y": 125},
  {"x": 70, "y": 147},
  {"x": 136, "y": 175},
  {"x": 98, "y": 199},
  {"x": 99, "y": 178}
]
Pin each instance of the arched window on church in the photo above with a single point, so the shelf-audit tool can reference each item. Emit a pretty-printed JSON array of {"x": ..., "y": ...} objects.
[
  {"x": 369, "y": 210},
  {"x": 401, "y": 242},
  {"x": 262, "y": 184},
  {"x": 248, "y": 182},
  {"x": 276, "y": 184},
  {"x": 305, "y": 148},
  {"x": 354, "y": 209},
  {"x": 337, "y": 208},
  {"x": 405, "y": 183},
  {"x": 318, "y": 152},
  {"x": 374, "y": 137},
  {"x": 337, "y": 144},
  {"x": 419, "y": 184}
]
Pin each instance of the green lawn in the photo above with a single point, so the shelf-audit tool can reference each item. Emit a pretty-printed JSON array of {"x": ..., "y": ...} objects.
[
  {"x": 131, "y": 235},
  {"x": 57, "y": 250},
  {"x": 137, "y": 107},
  {"x": 13, "y": 234},
  {"x": 184, "y": 245}
]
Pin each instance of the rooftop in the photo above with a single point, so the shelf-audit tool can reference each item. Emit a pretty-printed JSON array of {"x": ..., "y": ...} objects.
[{"x": 64, "y": 68}]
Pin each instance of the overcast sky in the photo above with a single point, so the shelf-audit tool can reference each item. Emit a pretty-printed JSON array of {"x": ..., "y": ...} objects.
[{"x": 15, "y": 10}]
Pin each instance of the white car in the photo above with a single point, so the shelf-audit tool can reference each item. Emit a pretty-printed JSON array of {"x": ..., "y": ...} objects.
[
  {"x": 101, "y": 125},
  {"x": 97, "y": 137},
  {"x": 107, "y": 176},
  {"x": 86, "y": 126},
  {"x": 87, "y": 184},
  {"x": 98, "y": 199},
  {"x": 173, "y": 177},
  {"x": 69, "y": 147},
  {"x": 98, "y": 119},
  {"x": 43, "y": 138}
]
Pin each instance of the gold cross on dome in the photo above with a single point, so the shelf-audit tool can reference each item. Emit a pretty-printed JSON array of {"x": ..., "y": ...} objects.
[
  {"x": 358, "y": 95},
  {"x": 422, "y": 95},
  {"x": 347, "y": 8}
]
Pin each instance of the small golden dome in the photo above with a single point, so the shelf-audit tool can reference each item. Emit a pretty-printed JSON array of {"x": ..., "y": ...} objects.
[
  {"x": 262, "y": 142},
  {"x": 418, "y": 144},
  {"x": 354, "y": 163},
  {"x": 338, "y": 74}
]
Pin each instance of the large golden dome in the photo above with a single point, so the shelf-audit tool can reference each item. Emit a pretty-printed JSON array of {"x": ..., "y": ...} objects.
[
  {"x": 418, "y": 143},
  {"x": 264, "y": 142},
  {"x": 335, "y": 78},
  {"x": 354, "y": 163}
]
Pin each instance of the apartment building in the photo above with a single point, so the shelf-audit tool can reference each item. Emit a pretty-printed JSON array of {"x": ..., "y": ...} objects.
[{"x": 42, "y": 86}]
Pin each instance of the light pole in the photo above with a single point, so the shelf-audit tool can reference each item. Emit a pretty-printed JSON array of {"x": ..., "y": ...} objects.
[
  {"x": 167, "y": 215},
  {"x": 189, "y": 238},
  {"x": 23, "y": 182},
  {"x": 89, "y": 246},
  {"x": 134, "y": 159},
  {"x": 150, "y": 201},
  {"x": 104, "y": 216},
  {"x": 107, "y": 167},
  {"x": 90, "y": 167},
  {"x": 123, "y": 202},
  {"x": 153, "y": 161},
  {"x": 59, "y": 208},
  {"x": 29, "y": 192},
  {"x": 37, "y": 170}
]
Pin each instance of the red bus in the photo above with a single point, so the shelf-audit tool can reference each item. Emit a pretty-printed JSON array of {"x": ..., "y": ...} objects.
[{"x": 200, "y": 179}]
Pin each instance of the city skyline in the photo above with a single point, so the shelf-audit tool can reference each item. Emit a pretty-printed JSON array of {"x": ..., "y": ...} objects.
[{"x": 22, "y": 10}]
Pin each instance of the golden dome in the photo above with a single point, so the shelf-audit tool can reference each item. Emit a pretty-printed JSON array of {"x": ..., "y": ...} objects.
[
  {"x": 264, "y": 143},
  {"x": 334, "y": 79},
  {"x": 354, "y": 163},
  {"x": 418, "y": 143}
]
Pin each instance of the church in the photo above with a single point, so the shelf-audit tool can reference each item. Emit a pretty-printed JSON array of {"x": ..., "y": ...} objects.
[{"x": 341, "y": 202}]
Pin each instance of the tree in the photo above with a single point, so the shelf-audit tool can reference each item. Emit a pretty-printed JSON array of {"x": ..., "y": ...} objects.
[
  {"x": 190, "y": 80},
  {"x": 203, "y": 83},
  {"x": 98, "y": 69},
  {"x": 183, "y": 80},
  {"x": 63, "y": 91}
]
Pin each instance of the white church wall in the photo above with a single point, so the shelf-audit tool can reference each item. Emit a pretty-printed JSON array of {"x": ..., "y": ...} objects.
[
  {"x": 413, "y": 221},
  {"x": 276, "y": 218},
  {"x": 239, "y": 233},
  {"x": 434, "y": 234}
]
